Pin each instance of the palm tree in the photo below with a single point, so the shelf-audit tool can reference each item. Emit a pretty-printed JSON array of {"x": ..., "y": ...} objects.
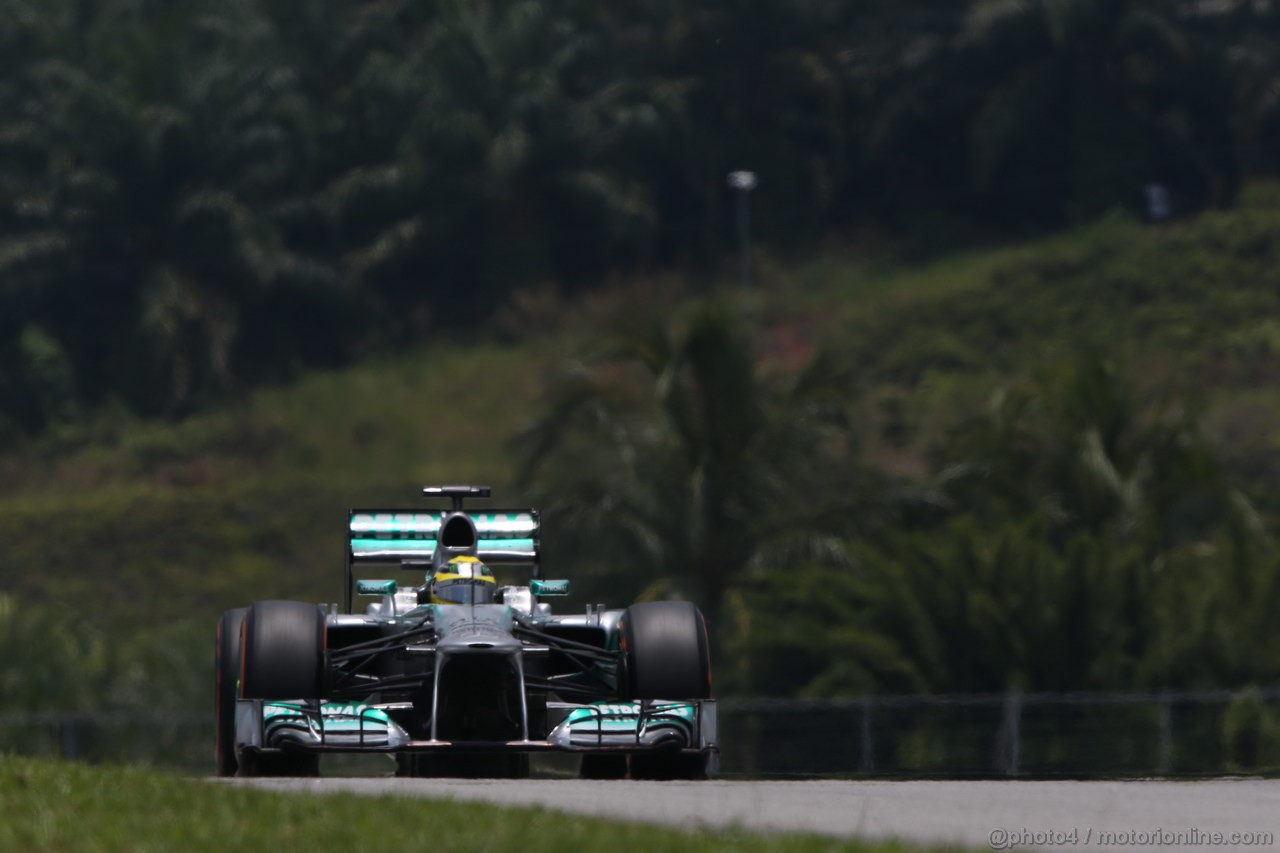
[
  {"x": 1247, "y": 35},
  {"x": 1055, "y": 110},
  {"x": 673, "y": 466},
  {"x": 143, "y": 238},
  {"x": 1093, "y": 542},
  {"x": 509, "y": 162},
  {"x": 968, "y": 607},
  {"x": 758, "y": 85},
  {"x": 1077, "y": 447},
  {"x": 1101, "y": 99}
]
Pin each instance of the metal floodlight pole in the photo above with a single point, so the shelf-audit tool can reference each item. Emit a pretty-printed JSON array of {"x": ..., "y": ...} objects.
[{"x": 744, "y": 182}]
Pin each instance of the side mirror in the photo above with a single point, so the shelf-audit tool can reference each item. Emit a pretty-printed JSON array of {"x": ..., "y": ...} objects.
[
  {"x": 378, "y": 587},
  {"x": 544, "y": 587}
]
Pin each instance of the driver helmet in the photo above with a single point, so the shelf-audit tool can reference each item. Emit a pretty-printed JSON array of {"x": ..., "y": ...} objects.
[{"x": 463, "y": 580}]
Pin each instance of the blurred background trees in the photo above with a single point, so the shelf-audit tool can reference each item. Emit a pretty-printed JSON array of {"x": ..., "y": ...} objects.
[
  {"x": 1080, "y": 532},
  {"x": 197, "y": 197},
  {"x": 675, "y": 467},
  {"x": 1082, "y": 542}
]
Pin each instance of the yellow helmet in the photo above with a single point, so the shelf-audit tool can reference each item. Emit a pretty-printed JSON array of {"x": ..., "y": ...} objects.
[{"x": 463, "y": 580}]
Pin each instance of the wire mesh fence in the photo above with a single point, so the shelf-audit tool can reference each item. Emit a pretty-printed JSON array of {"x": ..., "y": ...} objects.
[
  {"x": 1080, "y": 735},
  {"x": 1169, "y": 733}
]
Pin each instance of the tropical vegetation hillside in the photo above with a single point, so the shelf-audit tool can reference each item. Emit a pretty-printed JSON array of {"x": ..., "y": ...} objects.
[
  {"x": 200, "y": 197},
  {"x": 1045, "y": 466},
  {"x": 996, "y": 413}
]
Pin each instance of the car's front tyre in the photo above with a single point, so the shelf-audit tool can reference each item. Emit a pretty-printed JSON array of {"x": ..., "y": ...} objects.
[
  {"x": 665, "y": 651},
  {"x": 283, "y": 657},
  {"x": 666, "y": 656},
  {"x": 226, "y": 688}
]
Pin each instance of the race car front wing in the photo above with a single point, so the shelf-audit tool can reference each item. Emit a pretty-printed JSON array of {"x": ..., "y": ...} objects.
[{"x": 595, "y": 727}]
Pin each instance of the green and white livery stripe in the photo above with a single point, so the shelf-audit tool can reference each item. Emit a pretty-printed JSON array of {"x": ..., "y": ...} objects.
[
  {"x": 369, "y": 547},
  {"x": 603, "y": 724},
  {"x": 629, "y": 712},
  {"x": 335, "y": 724},
  {"x": 425, "y": 525}
]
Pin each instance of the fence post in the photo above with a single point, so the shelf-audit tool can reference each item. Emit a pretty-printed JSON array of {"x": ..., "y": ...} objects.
[
  {"x": 1165, "y": 715},
  {"x": 867, "y": 761},
  {"x": 1009, "y": 743}
]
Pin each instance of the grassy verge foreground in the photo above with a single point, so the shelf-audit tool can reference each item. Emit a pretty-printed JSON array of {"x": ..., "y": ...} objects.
[{"x": 51, "y": 805}]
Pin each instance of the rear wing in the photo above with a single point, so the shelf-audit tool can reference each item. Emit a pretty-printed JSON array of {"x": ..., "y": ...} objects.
[
  {"x": 502, "y": 536},
  {"x": 415, "y": 539}
]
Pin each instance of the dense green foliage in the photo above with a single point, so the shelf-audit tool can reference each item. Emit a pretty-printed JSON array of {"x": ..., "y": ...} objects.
[
  {"x": 1070, "y": 537},
  {"x": 1044, "y": 467},
  {"x": 123, "y": 543},
  {"x": 1049, "y": 472},
  {"x": 1110, "y": 552},
  {"x": 1059, "y": 515},
  {"x": 674, "y": 467},
  {"x": 51, "y": 805},
  {"x": 196, "y": 197}
]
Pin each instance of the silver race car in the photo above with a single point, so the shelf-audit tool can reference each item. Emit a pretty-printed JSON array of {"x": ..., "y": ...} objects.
[{"x": 457, "y": 675}]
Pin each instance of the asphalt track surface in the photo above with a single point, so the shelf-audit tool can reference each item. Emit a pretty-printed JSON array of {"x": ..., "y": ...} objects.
[{"x": 979, "y": 814}]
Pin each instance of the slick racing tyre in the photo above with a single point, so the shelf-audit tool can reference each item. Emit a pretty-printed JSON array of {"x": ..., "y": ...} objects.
[
  {"x": 226, "y": 683},
  {"x": 283, "y": 651},
  {"x": 664, "y": 645},
  {"x": 665, "y": 656},
  {"x": 282, "y": 657}
]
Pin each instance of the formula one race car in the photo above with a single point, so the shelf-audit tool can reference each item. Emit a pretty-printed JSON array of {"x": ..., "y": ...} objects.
[{"x": 457, "y": 675}]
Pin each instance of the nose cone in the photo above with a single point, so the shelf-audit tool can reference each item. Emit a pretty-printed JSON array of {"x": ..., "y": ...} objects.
[{"x": 477, "y": 629}]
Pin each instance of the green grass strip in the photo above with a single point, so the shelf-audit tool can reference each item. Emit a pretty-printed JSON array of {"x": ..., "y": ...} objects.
[{"x": 60, "y": 806}]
